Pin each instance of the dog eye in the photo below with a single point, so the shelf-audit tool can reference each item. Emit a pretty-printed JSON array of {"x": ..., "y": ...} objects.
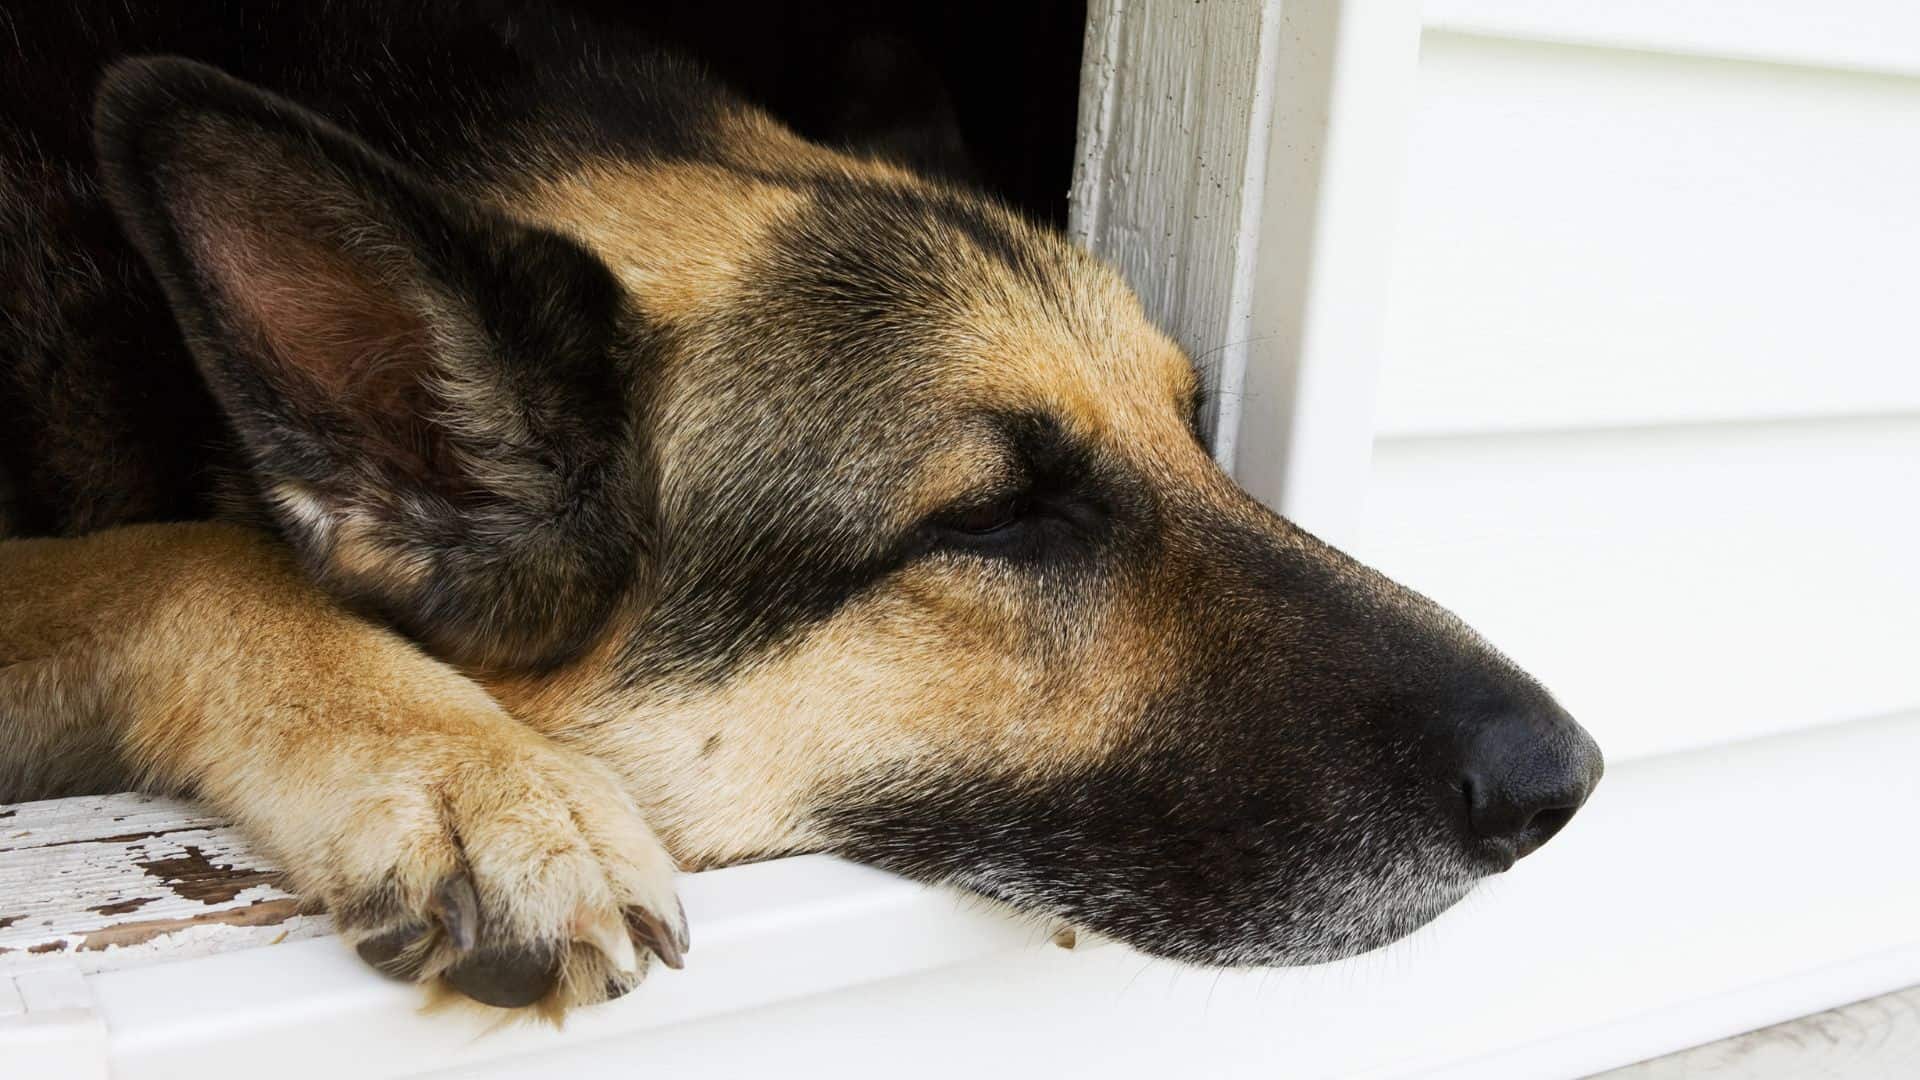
[
  {"x": 1027, "y": 527},
  {"x": 989, "y": 518}
]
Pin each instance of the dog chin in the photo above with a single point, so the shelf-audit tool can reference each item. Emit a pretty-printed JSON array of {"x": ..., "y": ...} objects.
[
  {"x": 1367, "y": 921},
  {"x": 1372, "y": 929}
]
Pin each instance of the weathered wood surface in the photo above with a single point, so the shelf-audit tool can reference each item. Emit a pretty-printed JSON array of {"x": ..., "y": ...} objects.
[
  {"x": 113, "y": 881},
  {"x": 116, "y": 881},
  {"x": 1209, "y": 175},
  {"x": 1875, "y": 1039}
]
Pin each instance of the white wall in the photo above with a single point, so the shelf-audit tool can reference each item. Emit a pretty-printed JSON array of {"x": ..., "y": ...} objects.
[{"x": 1649, "y": 408}]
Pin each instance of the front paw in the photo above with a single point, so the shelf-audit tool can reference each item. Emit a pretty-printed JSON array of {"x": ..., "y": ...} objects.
[{"x": 521, "y": 877}]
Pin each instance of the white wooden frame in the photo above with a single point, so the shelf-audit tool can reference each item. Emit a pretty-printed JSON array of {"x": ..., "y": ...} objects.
[
  {"x": 1240, "y": 162},
  {"x": 815, "y": 967}
]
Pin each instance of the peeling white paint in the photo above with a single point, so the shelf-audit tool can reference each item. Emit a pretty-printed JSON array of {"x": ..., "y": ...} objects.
[{"x": 102, "y": 882}]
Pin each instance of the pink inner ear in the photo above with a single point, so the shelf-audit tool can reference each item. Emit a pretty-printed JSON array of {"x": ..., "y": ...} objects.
[
  {"x": 339, "y": 333},
  {"x": 319, "y": 318}
]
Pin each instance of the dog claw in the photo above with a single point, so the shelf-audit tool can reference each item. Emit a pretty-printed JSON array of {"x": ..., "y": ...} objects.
[
  {"x": 393, "y": 953},
  {"x": 458, "y": 910},
  {"x": 669, "y": 943},
  {"x": 609, "y": 935}
]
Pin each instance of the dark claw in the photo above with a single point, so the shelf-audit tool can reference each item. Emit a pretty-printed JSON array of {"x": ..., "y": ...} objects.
[
  {"x": 458, "y": 909},
  {"x": 617, "y": 989},
  {"x": 507, "y": 978},
  {"x": 669, "y": 944},
  {"x": 391, "y": 952}
]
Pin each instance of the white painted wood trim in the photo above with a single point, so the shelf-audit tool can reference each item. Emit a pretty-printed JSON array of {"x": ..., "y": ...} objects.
[
  {"x": 767, "y": 932},
  {"x": 1881, "y": 36},
  {"x": 1336, "y": 163},
  {"x": 1175, "y": 112},
  {"x": 1240, "y": 163},
  {"x": 1875, "y": 1039},
  {"x": 50, "y": 1026},
  {"x": 1523, "y": 981}
]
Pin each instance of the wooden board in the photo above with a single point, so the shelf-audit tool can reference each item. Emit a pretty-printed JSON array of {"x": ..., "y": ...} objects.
[
  {"x": 1868, "y": 1040},
  {"x": 1209, "y": 175},
  {"x": 112, "y": 881},
  {"x": 1847, "y": 35}
]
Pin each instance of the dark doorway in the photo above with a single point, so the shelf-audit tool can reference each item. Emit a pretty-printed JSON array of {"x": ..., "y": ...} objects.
[{"x": 982, "y": 92}]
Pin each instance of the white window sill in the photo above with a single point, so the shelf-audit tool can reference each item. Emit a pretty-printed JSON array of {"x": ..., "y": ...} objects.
[
  {"x": 1700, "y": 895},
  {"x": 763, "y": 933}
]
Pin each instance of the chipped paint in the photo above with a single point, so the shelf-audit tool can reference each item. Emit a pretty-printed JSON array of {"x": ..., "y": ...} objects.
[
  {"x": 103, "y": 882},
  {"x": 195, "y": 877},
  {"x": 262, "y": 913}
]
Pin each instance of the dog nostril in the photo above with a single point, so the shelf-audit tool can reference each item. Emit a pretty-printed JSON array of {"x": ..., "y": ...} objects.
[
  {"x": 1522, "y": 778},
  {"x": 1514, "y": 823},
  {"x": 1547, "y": 822}
]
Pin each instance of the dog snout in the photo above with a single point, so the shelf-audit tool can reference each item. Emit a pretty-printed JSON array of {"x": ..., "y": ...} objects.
[{"x": 1521, "y": 776}]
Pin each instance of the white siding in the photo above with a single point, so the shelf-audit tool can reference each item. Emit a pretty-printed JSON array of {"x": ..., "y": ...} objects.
[
  {"x": 1592, "y": 236},
  {"x": 1649, "y": 410},
  {"x": 1848, "y": 35},
  {"x": 1674, "y": 585}
]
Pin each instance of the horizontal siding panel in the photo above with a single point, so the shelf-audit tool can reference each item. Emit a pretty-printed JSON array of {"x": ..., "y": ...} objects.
[
  {"x": 1863, "y": 35},
  {"x": 1675, "y": 587},
  {"x": 1591, "y": 237}
]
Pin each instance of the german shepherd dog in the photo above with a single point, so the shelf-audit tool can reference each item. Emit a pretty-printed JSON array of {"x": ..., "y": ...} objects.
[{"x": 496, "y": 466}]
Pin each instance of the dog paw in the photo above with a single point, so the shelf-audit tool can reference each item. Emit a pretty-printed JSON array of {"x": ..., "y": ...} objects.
[{"x": 522, "y": 878}]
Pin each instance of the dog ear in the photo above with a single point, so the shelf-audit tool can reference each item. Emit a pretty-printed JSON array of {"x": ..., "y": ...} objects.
[{"x": 435, "y": 401}]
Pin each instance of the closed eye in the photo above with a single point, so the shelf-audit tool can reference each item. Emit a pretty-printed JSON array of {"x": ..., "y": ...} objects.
[
  {"x": 988, "y": 518},
  {"x": 1001, "y": 525},
  {"x": 1046, "y": 506},
  {"x": 1024, "y": 527}
]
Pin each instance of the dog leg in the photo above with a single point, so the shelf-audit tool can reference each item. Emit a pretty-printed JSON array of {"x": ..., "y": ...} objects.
[{"x": 448, "y": 839}]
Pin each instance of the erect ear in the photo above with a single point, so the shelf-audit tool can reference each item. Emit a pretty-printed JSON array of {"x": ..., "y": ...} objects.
[{"x": 435, "y": 401}]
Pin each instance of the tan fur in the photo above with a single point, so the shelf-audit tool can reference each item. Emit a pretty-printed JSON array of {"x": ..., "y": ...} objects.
[
  {"x": 677, "y": 236},
  {"x": 360, "y": 762},
  {"x": 928, "y": 674},
  {"x": 355, "y": 555}
]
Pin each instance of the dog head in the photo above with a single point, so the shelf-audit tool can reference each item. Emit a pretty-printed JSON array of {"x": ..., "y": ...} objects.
[{"x": 837, "y": 509}]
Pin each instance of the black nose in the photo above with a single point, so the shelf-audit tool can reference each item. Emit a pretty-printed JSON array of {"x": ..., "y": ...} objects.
[{"x": 1523, "y": 774}]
